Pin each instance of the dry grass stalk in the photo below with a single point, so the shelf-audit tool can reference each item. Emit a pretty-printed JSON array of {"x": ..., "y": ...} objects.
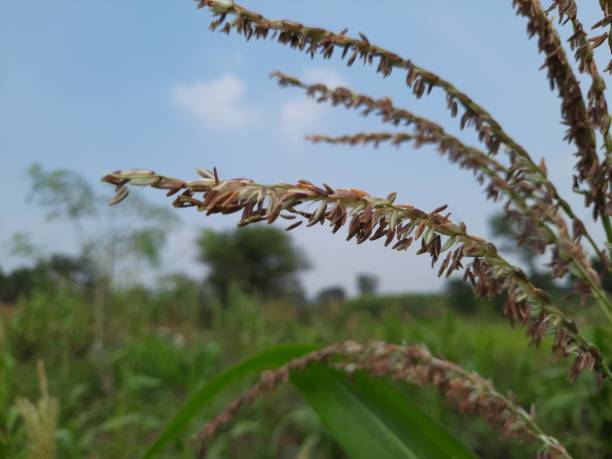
[
  {"x": 502, "y": 180},
  {"x": 371, "y": 218},
  {"x": 606, "y": 8},
  {"x": 484, "y": 167},
  {"x": 40, "y": 420},
  {"x": 268, "y": 381},
  {"x": 426, "y": 131},
  {"x": 315, "y": 40},
  {"x": 598, "y": 114},
  {"x": 467, "y": 391},
  {"x": 533, "y": 200}
]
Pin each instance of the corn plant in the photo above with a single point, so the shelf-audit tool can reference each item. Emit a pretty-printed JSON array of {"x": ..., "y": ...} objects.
[{"x": 345, "y": 382}]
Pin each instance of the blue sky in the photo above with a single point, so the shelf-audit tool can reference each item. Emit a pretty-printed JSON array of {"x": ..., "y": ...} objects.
[{"x": 99, "y": 86}]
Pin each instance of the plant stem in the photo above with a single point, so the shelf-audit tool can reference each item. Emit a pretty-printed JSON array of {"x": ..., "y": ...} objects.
[
  {"x": 602, "y": 299},
  {"x": 608, "y": 229}
]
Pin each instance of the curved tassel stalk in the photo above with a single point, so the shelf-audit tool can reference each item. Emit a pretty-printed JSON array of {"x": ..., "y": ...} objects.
[
  {"x": 533, "y": 200},
  {"x": 314, "y": 40},
  {"x": 469, "y": 392},
  {"x": 371, "y": 218},
  {"x": 535, "y": 219}
]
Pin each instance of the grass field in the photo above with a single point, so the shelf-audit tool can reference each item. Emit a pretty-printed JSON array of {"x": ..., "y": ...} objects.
[{"x": 159, "y": 346}]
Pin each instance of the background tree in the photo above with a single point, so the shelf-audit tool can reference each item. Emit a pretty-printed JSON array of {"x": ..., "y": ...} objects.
[
  {"x": 367, "y": 284},
  {"x": 330, "y": 295},
  {"x": 259, "y": 260},
  {"x": 69, "y": 198},
  {"x": 57, "y": 271}
]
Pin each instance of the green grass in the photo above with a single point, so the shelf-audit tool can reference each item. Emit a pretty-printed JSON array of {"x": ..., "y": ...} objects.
[{"x": 115, "y": 399}]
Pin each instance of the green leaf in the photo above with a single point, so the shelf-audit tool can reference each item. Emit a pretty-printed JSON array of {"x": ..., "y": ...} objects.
[
  {"x": 201, "y": 398},
  {"x": 371, "y": 418}
]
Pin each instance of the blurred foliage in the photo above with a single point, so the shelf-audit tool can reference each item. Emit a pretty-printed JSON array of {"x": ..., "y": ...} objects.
[
  {"x": 367, "y": 284},
  {"x": 67, "y": 272},
  {"x": 108, "y": 238},
  {"x": 164, "y": 341},
  {"x": 64, "y": 193},
  {"x": 461, "y": 297},
  {"x": 330, "y": 295},
  {"x": 409, "y": 305}
]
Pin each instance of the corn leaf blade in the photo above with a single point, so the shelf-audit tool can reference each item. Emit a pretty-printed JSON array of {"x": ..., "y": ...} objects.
[
  {"x": 371, "y": 418},
  {"x": 206, "y": 393}
]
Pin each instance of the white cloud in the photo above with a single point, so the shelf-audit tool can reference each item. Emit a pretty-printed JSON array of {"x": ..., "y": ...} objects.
[
  {"x": 219, "y": 104},
  {"x": 300, "y": 115},
  {"x": 325, "y": 75}
]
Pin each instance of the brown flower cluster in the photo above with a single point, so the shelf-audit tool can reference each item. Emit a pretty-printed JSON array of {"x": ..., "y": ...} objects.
[
  {"x": 426, "y": 131},
  {"x": 315, "y": 40},
  {"x": 400, "y": 225},
  {"x": 483, "y": 166},
  {"x": 575, "y": 115},
  {"x": 533, "y": 201},
  {"x": 606, "y": 9},
  {"x": 583, "y": 47},
  {"x": 467, "y": 391},
  {"x": 545, "y": 218}
]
